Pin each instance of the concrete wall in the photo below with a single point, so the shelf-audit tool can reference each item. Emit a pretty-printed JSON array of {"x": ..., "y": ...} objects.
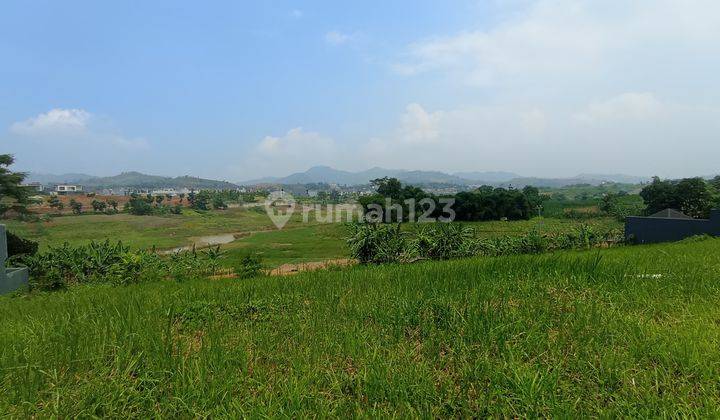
[
  {"x": 644, "y": 230},
  {"x": 11, "y": 279}
]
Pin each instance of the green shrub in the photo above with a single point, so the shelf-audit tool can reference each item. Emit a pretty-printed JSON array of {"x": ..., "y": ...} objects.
[
  {"x": 443, "y": 241},
  {"x": 114, "y": 263},
  {"x": 376, "y": 243},
  {"x": 249, "y": 266},
  {"x": 20, "y": 246},
  {"x": 383, "y": 243}
]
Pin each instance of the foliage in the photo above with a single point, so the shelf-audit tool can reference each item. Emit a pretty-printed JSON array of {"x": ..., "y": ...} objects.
[
  {"x": 620, "y": 205},
  {"x": 485, "y": 203},
  {"x": 144, "y": 206},
  {"x": 139, "y": 206},
  {"x": 98, "y": 206},
  {"x": 692, "y": 196},
  {"x": 249, "y": 266},
  {"x": 488, "y": 203},
  {"x": 55, "y": 203},
  {"x": 19, "y": 246},
  {"x": 114, "y": 263},
  {"x": 200, "y": 201},
  {"x": 13, "y": 196},
  {"x": 76, "y": 206},
  {"x": 392, "y": 202},
  {"x": 218, "y": 203},
  {"x": 113, "y": 204},
  {"x": 376, "y": 243},
  {"x": 443, "y": 241}
]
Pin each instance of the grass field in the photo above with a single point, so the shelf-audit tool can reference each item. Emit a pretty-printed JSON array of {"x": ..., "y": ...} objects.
[
  {"x": 166, "y": 231},
  {"x": 630, "y": 331},
  {"x": 296, "y": 243}
]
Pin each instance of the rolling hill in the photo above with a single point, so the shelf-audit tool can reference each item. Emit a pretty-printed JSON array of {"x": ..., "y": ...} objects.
[
  {"x": 131, "y": 179},
  {"x": 328, "y": 175}
]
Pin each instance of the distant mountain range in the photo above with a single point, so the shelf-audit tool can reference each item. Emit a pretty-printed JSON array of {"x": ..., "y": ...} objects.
[
  {"x": 130, "y": 179},
  {"x": 327, "y": 175}
]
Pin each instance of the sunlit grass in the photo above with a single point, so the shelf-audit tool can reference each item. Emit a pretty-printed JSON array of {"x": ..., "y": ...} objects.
[{"x": 631, "y": 331}]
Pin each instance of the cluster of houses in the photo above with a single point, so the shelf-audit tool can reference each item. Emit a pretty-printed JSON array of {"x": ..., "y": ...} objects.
[{"x": 70, "y": 189}]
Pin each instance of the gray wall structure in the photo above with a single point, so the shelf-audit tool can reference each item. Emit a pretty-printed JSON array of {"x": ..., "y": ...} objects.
[
  {"x": 11, "y": 279},
  {"x": 668, "y": 226}
]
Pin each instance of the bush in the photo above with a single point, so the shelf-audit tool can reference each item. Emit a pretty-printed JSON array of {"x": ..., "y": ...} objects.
[
  {"x": 17, "y": 246},
  {"x": 443, "y": 241},
  {"x": 114, "y": 263},
  {"x": 376, "y": 243},
  {"x": 382, "y": 243},
  {"x": 249, "y": 266}
]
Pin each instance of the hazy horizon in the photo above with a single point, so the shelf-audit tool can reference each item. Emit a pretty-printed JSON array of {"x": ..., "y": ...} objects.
[{"x": 237, "y": 91}]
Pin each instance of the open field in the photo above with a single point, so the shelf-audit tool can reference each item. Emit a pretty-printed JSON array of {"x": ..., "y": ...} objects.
[
  {"x": 254, "y": 232},
  {"x": 630, "y": 331},
  {"x": 165, "y": 231}
]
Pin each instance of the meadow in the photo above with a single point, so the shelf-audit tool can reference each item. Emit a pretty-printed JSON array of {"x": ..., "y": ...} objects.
[
  {"x": 298, "y": 242},
  {"x": 627, "y": 331}
]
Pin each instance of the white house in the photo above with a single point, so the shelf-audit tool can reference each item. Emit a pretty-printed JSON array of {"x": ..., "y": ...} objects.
[
  {"x": 38, "y": 187},
  {"x": 68, "y": 189}
]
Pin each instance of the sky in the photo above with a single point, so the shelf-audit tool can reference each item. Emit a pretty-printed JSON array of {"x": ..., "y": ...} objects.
[{"x": 238, "y": 90}]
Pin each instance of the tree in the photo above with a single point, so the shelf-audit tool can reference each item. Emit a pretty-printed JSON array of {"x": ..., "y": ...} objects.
[
  {"x": 13, "y": 196},
  {"x": 138, "y": 206},
  {"x": 533, "y": 196},
  {"x": 98, "y": 206},
  {"x": 159, "y": 199},
  {"x": 658, "y": 195},
  {"x": 200, "y": 201},
  {"x": 113, "y": 203},
  {"x": 715, "y": 183},
  {"x": 55, "y": 203},
  {"x": 182, "y": 196},
  {"x": 388, "y": 187},
  {"x": 692, "y": 196},
  {"x": 218, "y": 203},
  {"x": 76, "y": 206}
]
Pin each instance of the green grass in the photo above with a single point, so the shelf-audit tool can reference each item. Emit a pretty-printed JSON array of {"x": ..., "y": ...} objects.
[
  {"x": 621, "y": 332},
  {"x": 292, "y": 245},
  {"x": 146, "y": 231},
  {"x": 296, "y": 243}
]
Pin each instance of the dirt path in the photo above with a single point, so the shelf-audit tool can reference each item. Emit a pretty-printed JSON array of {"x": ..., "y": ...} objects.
[{"x": 290, "y": 269}]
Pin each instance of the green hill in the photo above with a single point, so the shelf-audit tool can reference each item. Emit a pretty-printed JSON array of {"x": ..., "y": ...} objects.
[{"x": 139, "y": 180}]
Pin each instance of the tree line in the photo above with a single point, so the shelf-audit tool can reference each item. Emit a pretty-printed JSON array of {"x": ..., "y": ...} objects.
[
  {"x": 484, "y": 203},
  {"x": 693, "y": 196}
]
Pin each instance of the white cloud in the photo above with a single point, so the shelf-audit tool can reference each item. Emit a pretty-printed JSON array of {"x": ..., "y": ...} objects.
[
  {"x": 419, "y": 126},
  {"x": 54, "y": 122},
  {"x": 74, "y": 126},
  {"x": 633, "y": 133},
  {"x": 337, "y": 38},
  {"x": 575, "y": 40},
  {"x": 627, "y": 106},
  {"x": 294, "y": 151}
]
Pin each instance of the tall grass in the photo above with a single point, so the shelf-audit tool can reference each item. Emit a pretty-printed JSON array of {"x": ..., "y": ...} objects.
[{"x": 619, "y": 332}]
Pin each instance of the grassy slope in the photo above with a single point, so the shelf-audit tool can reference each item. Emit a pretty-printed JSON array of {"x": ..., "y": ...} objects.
[
  {"x": 572, "y": 333},
  {"x": 146, "y": 231},
  {"x": 297, "y": 242}
]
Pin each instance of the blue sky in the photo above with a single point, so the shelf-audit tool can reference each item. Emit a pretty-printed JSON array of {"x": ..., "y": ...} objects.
[{"x": 238, "y": 90}]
